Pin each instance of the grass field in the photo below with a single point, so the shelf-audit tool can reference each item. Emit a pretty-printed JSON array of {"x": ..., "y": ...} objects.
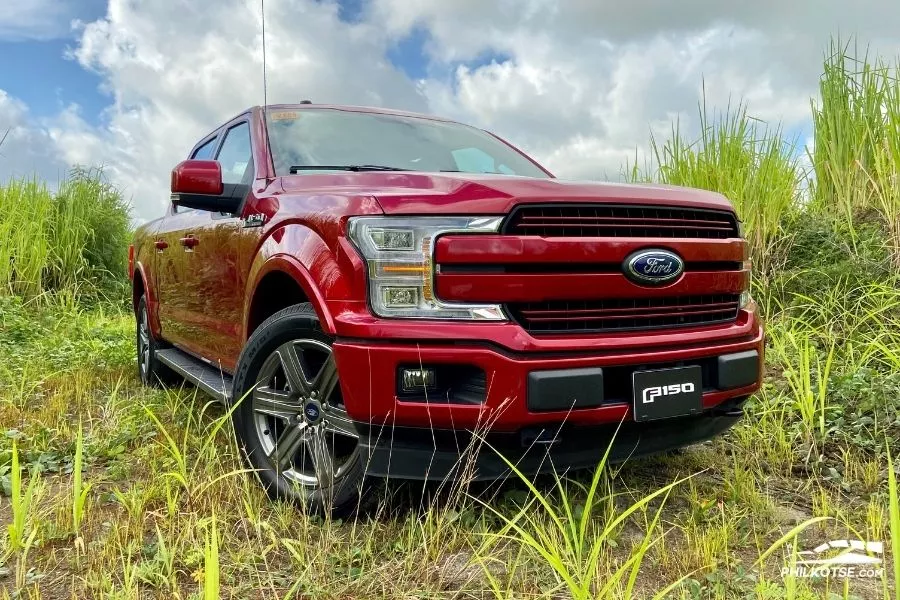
[{"x": 111, "y": 490}]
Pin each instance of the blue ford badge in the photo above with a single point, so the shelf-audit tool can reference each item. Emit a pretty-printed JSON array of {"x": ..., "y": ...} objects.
[
  {"x": 312, "y": 411},
  {"x": 653, "y": 267}
]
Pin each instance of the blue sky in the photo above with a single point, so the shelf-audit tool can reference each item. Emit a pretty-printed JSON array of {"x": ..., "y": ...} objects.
[{"x": 37, "y": 72}]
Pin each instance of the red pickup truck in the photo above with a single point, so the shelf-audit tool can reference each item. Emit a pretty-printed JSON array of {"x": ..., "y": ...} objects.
[{"x": 383, "y": 292}]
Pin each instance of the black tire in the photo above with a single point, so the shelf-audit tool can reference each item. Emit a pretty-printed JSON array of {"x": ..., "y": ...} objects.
[
  {"x": 270, "y": 412},
  {"x": 151, "y": 372}
]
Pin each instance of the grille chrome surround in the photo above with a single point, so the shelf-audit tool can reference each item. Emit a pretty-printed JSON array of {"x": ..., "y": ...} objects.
[
  {"x": 613, "y": 315},
  {"x": 619, "y": 220}
]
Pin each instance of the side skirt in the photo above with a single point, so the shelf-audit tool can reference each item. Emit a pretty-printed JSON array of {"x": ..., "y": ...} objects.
[{"x": 214, "y": 382}]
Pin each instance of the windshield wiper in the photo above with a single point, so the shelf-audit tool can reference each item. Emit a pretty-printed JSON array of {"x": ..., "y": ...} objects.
[{"x": 298, "y": 168}]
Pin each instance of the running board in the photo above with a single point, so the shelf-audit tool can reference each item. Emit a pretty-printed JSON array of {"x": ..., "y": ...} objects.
[{"x": 207, "y": 378}]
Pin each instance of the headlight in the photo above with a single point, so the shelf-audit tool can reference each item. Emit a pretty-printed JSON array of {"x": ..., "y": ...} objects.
[
  {"x": 398, "y": 253},
  {"x": 745, "y": 298}
]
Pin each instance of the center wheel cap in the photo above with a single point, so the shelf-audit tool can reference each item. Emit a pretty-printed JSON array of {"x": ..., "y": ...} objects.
[{"x": 312, "y": 412}]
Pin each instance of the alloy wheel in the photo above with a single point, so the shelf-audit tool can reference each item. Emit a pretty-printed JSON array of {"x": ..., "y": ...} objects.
[
  {"x": 144, "y": 344},
  {"x": 299, "y": 416}
]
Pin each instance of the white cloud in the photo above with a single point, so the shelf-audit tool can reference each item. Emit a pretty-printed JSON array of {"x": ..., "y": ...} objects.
[
  {"x": 585, "y": 106},
  {"x": 585, "y": 83},
  {"x": 175, "y": 79},
  {"x": 27, "y": 149},
  {"x": 589, "y": 79}
]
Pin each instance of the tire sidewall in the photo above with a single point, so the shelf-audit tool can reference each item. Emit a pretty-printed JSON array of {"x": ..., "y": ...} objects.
[
  {"x": 149, "y": 378},
  {"x": 294, "y": 323}
]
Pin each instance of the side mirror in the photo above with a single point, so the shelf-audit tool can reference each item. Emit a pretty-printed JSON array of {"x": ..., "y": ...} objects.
[{"x": 198, "y": 184}]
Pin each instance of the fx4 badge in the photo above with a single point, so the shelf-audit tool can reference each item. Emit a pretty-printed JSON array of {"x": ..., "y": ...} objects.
[{"x": 255, "y": 220}]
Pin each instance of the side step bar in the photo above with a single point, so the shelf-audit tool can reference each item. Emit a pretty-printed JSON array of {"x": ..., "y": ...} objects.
[{"x": 209, "y": 379}]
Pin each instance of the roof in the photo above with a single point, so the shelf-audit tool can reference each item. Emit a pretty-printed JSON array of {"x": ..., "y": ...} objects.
[{"x": 351, "y": 108}]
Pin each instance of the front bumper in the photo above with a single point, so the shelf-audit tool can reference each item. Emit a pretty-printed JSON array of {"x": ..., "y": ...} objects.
[
  {"x": 369, "y": 370},
  {"x": 442, "y": 455}
]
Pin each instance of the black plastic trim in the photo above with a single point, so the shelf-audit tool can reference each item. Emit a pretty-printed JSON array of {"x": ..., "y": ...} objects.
[
  {"x": 565, "y": 389},
  {"x": 229, "y": 201},
  {"x": 738, "y": 370},
  {"x": 441, "y": 455}
]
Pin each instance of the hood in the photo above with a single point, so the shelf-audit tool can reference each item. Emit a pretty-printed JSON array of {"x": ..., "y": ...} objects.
[{"x": 472, "y": 194}]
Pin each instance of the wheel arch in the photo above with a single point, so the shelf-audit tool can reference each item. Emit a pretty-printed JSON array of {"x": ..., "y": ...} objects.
[
  {"x": 293, "y": 283},
  {"x": 141, "y": 285},
  {"x": 138, "y": 286}
]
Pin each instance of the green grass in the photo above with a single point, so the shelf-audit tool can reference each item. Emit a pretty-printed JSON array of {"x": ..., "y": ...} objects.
[
  {"x": 72, "y": 241},
  {"x": 574, "y": 540},
  {"x": 740, "y": 157},
  {"x": 618, "y": 532},
  {"x": 856, "y": 152},
  {"x": 112, "y": 490}
]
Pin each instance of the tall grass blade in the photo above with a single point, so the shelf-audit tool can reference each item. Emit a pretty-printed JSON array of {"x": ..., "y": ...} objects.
[
  {"x": 211, "y": 562},
  {"x": 894, "y": 509}
]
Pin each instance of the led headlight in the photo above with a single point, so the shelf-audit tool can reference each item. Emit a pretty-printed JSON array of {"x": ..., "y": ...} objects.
[
  {"x": 398, "y": 253},
  {"x": 745, "y": 297}
]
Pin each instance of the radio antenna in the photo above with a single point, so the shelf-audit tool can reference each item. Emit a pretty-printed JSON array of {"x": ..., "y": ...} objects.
[{"x": 262, "y": 10}]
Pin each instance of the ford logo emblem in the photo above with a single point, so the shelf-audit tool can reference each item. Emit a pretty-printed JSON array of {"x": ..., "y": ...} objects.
[
  {"x": 653, "y": 267},
  {"x": 312, "y": 412}
]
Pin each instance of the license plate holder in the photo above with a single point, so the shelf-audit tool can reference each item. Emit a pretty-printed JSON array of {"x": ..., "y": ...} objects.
[{"x": 667, "y": 393}]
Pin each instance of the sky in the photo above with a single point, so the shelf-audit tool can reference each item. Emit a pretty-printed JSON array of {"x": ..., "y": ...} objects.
[{"x": 131, "y": 85}]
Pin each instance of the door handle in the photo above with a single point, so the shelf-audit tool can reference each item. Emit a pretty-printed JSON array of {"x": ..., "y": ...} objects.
[
  {"x": 161, "y": 245},
  {"x": 189, "y": 241}
]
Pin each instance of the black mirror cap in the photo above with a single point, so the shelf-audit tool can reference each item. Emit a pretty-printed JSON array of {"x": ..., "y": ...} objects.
[{"x": 229, "y": 201}]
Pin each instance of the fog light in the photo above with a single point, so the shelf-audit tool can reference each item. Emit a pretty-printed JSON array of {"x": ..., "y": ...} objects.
[
  {"x": 400, "y": 297},
  {"x": 745, "y": 299},
  {"x": 412, "y": 380}
]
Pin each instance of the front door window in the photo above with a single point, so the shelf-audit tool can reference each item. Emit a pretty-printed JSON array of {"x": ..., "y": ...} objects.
[{"x": 235, "y": 155}]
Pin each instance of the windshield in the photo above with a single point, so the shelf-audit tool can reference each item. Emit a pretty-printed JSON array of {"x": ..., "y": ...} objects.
[{"x": 332, "y": 138}]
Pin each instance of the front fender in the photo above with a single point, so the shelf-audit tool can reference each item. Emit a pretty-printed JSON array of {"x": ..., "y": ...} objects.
[
  {"x": 323, "y": 272},
  {"x": 292, "y": 267}
]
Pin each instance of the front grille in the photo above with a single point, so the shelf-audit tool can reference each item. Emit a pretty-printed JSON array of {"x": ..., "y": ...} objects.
[
  {"x": 613, "y": 220},
  {"x": 592, "y": 316}
]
